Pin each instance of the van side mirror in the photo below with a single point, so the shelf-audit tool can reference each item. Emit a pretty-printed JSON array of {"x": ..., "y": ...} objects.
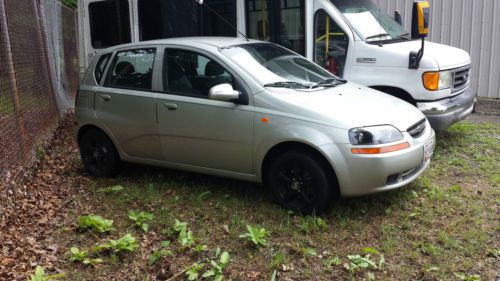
[
  {"x": 420, "y": 20},
  {"x": 223, "y": 92},
  {"x": 419, "y": 30},
  {"x": 398, "y": 18}
]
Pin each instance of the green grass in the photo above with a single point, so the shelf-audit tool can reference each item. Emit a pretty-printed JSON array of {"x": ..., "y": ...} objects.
[{"x": 441, "y": 224}]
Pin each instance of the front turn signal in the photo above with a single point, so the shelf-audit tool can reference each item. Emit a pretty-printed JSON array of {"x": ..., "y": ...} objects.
[
  {"x": 381, "y": 150},
  {"x": 431, "y": 81}
]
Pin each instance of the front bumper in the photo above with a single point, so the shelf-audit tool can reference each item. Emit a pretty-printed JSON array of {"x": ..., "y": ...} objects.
[
  {"x": 444, "y": 113},
  {"x": 366, "y": 174}
]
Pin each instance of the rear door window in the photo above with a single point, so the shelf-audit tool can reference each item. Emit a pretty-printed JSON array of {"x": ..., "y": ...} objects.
[
  {"x": 109, "y": 23},
  {"x": 132, "y": 69}
]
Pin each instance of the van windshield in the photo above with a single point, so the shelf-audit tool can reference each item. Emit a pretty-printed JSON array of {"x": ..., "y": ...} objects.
[
  {"x": 370, "y": 21},
  {"x": 272, "y": 64}
]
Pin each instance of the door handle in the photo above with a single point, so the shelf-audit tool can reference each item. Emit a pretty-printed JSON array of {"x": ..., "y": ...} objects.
[
  {"x": 170, "y": 106},
  {"x": 106, "y": 97}
]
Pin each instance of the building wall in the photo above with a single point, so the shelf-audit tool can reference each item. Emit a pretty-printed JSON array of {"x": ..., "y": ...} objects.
[{"x": 472, "y": 25}]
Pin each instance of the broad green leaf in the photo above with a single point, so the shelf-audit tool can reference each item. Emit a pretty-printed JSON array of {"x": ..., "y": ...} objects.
[
  {"x": 224, "y": 258},
  {"x": 370, "y": 250}
]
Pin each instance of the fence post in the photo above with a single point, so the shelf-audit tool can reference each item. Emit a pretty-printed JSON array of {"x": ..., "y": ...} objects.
[{"x": 13, "y": 80}]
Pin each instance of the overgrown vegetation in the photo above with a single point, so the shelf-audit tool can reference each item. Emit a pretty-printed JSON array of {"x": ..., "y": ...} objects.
[
  {"x": 95, "y": 223},
  {"x": 73, "y": 4},
  {"x": 202, "y": 228}
]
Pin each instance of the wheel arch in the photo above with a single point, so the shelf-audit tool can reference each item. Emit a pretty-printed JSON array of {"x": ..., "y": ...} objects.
[
  {"x": 286, "y": 146},
  {"x": 396, "y": 92},
  {"x": 89, "y": 127}
]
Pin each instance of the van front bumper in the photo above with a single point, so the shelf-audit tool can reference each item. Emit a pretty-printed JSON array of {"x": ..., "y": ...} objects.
[{"x": 444, "y": 113}]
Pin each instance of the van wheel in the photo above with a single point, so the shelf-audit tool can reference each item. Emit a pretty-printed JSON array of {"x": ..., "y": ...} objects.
[
  {"x": 98, "y": 154},
  {"x": 299, "y": 183}
]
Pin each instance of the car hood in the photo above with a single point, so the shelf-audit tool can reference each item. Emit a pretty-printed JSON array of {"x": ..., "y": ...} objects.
[
  {"x": 446, "y": 57},
  {"x": 346, "y": 106}
]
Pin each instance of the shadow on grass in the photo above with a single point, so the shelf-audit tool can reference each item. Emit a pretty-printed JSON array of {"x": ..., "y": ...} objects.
[{"x": 245, "y": 196}]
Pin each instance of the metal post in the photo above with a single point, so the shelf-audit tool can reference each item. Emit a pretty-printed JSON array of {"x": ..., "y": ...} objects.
[
  {"x": 4, "y": 32},
  {"x": 44, "y": 52}
]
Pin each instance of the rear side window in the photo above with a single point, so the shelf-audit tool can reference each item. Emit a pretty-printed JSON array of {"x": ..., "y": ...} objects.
[
  {"x": 100, "y": 67},
  {"x": 109, "y": 23},
  {"x": 132, "y": 69}
]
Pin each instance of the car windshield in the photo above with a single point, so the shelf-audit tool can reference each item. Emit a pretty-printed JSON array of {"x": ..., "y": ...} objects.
[
  {"x": 370, "y": 21},
  {"x": 273, "y": 65}
]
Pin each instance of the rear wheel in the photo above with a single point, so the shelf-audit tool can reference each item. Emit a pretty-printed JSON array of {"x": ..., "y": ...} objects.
[
  {"x": 300, "y": 182},
  {"x": 98, "y": 154}
]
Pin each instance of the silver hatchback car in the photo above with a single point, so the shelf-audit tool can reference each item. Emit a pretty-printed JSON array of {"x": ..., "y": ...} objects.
[{"x": 248, "y": 110}]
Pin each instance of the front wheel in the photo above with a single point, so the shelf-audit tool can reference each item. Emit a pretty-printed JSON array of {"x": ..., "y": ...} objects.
[
  {"x": 98, "y": 154},
  {"x": 299, "y": 182}
]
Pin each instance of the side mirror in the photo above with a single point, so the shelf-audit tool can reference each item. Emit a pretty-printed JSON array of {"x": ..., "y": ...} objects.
[
  {"x": 420, "y": 20},
  {"x": 398, "y": 18},
  {"x": 223, "y": 92}
]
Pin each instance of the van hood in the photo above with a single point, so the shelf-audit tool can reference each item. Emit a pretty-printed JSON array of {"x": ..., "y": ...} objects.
[
  {"x": 446, "y": 57},
  {"x": 346, "y": 106}
]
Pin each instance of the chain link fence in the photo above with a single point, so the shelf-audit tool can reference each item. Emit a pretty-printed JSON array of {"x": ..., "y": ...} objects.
[{"x": 38, "y": 77}]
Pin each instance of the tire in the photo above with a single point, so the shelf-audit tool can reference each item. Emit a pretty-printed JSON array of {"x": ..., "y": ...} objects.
[
  {"x": 98, "y": 154},
  {"x": 300, "y": 182}
]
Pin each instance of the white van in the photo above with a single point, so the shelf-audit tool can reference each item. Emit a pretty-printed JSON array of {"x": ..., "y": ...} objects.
[{"x": 353, "y": 39}]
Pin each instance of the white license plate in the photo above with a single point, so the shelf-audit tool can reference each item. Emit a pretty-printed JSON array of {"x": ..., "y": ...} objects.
[{"x": 428, "y": 150}]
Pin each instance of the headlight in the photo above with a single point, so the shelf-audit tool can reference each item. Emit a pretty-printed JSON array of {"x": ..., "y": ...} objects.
[
  {"x": 374, "y": 135},
  {"x": 434, "y": 81}
]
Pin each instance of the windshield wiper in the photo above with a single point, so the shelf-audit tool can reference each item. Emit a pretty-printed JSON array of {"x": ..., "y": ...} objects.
[
  {"x": 378, "y": 36},
  {"x": 292, "y": 85},
  {"x": 404, "y": 36},
  {"x": 330, "y": 82}
]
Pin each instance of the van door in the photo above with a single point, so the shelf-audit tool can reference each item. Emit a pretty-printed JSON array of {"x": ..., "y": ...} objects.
[
  {"x": 282, "y": 22},
  {"x": 106, "y": 23},
  {"x": 332, "y": 41}
]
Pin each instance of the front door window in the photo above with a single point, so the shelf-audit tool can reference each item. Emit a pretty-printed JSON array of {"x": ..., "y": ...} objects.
[{"x": 330, "y": 44}]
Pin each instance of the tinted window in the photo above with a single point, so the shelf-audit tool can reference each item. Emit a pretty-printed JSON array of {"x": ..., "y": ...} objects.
[
  {"x": 132, "y": 69},
  {"x": 189, "y": 73},
  {"x": 330, "y": 44},
  {"x": 109, "y": 23},
  {"x": 100, "y": 67},
  {"x": 282, "y": 22},
  {"x": 258, "y": 20},
  {"x": 165, "y": 19}
]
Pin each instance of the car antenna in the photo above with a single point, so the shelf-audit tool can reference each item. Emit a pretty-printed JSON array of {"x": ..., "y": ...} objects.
[{"x": 221, "y": 17}]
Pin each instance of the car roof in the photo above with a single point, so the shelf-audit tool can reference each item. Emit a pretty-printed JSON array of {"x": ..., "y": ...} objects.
[{"x": 218, "y": 42}]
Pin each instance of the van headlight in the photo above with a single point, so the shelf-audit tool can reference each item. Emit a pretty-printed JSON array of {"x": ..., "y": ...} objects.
[
  {"x": 437, "y": 80},
  {"x": 374, "y": 135}
]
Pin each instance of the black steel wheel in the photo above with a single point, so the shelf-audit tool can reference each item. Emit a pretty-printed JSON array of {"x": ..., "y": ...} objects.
[
  {"x": 98, "y": 154},
  {"x": 299, "y": 182}
]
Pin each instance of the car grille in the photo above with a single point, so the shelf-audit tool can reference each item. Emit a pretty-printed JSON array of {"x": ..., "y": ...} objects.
[
  {"x": 461, "y": 77},
  {"x": 418, "y": 129}
]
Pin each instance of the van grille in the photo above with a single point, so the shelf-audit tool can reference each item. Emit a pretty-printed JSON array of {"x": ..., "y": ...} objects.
[
  {"x": 418, "y": 129},
  {"x": 461, "y": 77}
]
